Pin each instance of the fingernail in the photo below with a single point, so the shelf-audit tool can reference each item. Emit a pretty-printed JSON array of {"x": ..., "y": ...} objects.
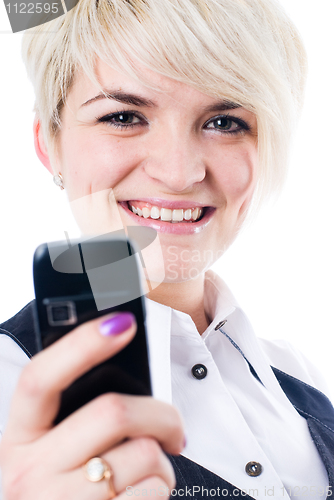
[{"x": 117, "y": 324}]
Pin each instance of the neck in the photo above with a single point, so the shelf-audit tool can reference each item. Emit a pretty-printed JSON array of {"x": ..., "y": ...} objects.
[{"x": 187, "y": 296}]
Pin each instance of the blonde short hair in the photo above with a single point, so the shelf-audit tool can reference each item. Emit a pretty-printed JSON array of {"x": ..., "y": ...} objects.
[{"x": 244, "y": 51}]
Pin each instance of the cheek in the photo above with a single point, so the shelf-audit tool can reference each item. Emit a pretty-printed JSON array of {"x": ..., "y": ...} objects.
[
  {"x": 236, "y": 174},
  {"x": 94, "y": 162}
]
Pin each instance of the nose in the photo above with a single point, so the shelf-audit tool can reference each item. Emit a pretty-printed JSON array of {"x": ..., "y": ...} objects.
[{"x": 175, "y": 161}]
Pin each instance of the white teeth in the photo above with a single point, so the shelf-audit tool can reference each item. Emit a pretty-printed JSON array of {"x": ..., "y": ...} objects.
[
  {"x": 195, "y": 214},
  {"x": 166, "y": 214},
  {"x": 155, "y": 213},
  {"x": 187, "y": 214},
  {"x": 177, "y": 215},
  {"x": 146, "y": 212}
]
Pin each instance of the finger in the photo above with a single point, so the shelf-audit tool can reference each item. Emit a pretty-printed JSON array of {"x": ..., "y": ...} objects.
[
  {"x": 152, "y": 487},
  {"x": 130, "y": 463},
  {"x": 144, "y": 458},
  {"x": 111, "y": 418},
  {"x": 37, "y": 398}
]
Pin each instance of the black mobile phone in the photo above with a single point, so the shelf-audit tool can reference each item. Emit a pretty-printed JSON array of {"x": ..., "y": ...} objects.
[{"x": 81, "y": 280}]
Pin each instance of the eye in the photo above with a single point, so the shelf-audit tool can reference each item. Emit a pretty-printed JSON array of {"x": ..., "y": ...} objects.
[
  {"x": 223, "y": 123},
  {"x": 126, "y": 119},
  {"x": 122, "y": 119},
  {"x": 227, "y": 124}
]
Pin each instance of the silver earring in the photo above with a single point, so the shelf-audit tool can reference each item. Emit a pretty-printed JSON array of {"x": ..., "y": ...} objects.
[{"x": 58, "y": 180}]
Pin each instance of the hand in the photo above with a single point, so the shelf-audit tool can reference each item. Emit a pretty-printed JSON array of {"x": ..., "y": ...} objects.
[{"x": 41, "y": 461}]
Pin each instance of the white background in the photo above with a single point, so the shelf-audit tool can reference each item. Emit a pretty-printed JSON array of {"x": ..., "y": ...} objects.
[{"x": 280, "y": 269}]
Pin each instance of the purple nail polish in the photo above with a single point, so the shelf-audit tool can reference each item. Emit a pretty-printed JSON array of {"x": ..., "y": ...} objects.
[{"x": 117, "y": 324}]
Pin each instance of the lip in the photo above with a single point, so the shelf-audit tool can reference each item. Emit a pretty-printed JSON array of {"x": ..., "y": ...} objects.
[
  {"x": 169, "y": 227},
  {"x": 160, "y": 203}
]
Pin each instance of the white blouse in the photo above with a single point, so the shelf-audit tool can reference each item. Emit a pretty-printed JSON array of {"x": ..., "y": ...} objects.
[{"x": 230, "y": 417}]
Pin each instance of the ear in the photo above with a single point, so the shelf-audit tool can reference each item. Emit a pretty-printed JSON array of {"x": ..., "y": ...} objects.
[{"x": 40, "y": 146}]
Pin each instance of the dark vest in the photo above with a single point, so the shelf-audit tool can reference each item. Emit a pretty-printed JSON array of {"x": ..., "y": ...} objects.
[{"x": 193, "y": 480}]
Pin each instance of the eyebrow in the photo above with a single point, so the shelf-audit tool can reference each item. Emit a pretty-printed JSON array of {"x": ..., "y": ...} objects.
[
  {"x": 124, "y": 97},
  {"x": 140, "y": 101},
  {"x": 223, "y": 106}
]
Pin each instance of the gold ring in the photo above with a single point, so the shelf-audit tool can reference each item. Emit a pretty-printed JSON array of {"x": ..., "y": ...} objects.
[{"x": 97, "y": 469}]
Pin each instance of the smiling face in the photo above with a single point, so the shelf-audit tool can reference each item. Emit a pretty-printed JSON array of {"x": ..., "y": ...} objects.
[{"x": 192, "y": 156}]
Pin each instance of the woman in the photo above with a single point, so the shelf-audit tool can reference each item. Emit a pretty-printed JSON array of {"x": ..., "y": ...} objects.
[{"x": 147, "y": 112}]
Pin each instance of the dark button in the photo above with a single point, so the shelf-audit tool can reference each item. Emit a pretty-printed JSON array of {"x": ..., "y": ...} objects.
[
  {"x": 220, "y": 324},
  {"x": 253, "y": 469},
  {"x": 199, "y": 371}
]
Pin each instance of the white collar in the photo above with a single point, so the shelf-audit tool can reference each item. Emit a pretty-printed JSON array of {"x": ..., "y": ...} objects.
[
  {"x": 219, "y": 303},
  {"x": 163, "y": 322}
]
